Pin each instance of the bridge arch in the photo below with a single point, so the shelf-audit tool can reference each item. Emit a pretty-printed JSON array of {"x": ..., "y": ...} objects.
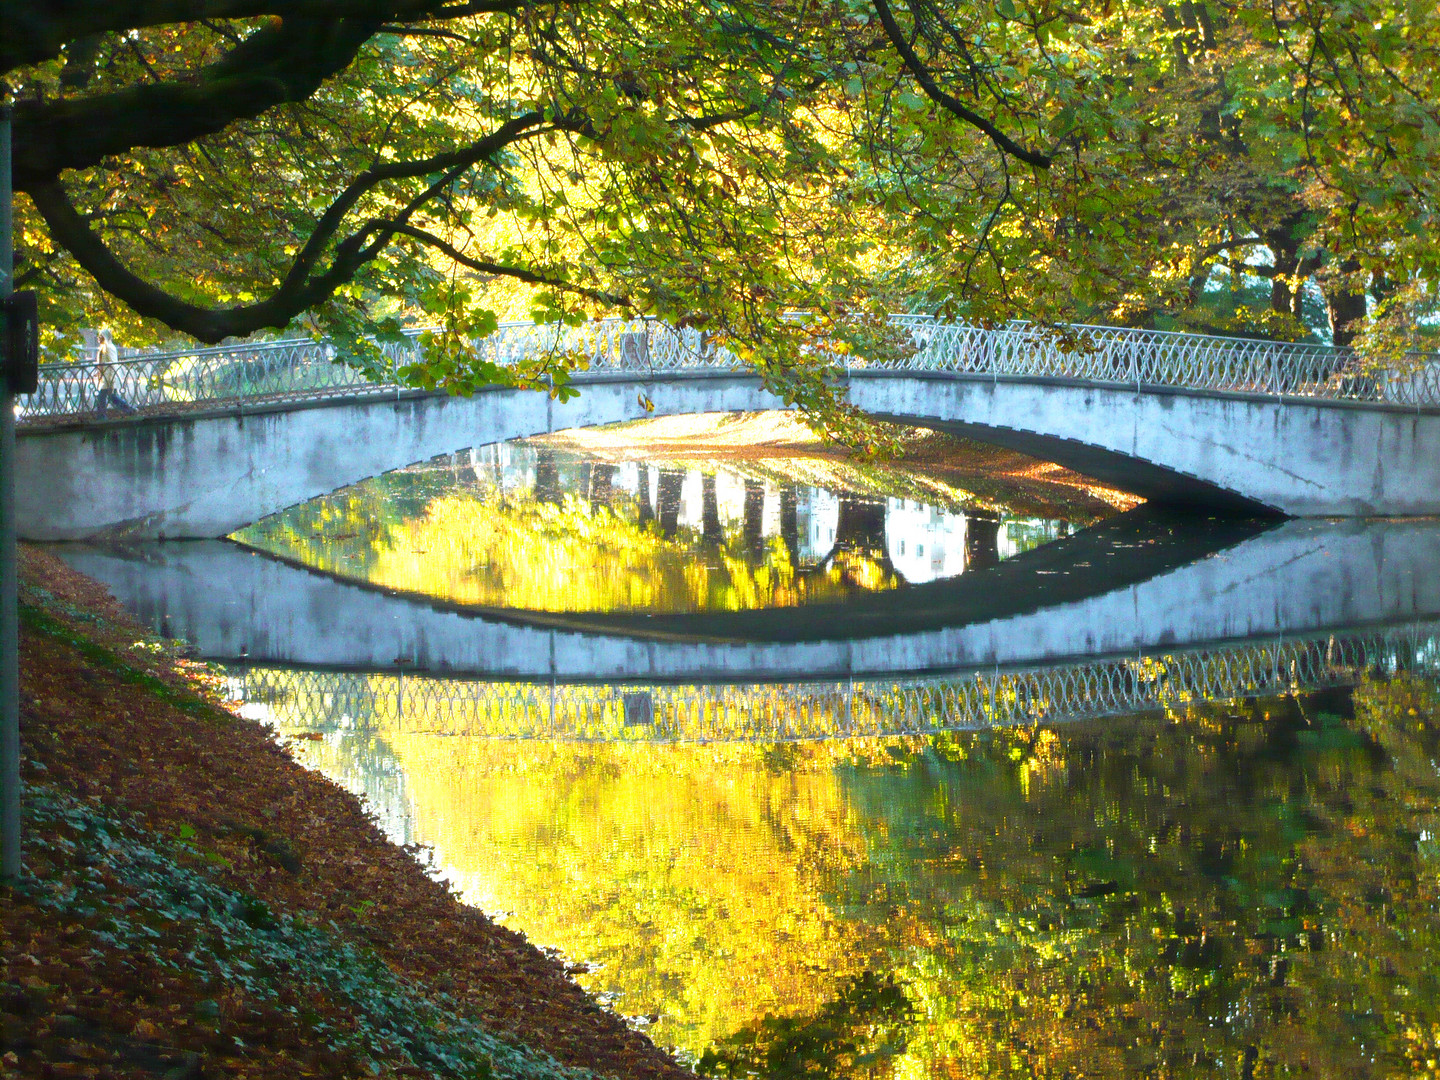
[{"x": 208, "y": 473}]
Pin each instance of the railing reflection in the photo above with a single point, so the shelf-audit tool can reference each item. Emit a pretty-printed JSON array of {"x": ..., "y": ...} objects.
[{"x": 1092, "y": 689}]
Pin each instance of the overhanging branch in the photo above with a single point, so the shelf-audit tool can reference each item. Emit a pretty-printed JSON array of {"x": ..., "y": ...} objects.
[
  {"x": 282, "y": 63},
  {"x": 487, "y": 266},
  {"x": 32, "y": 31},
  {"x": 301, "y": 289},
  {"x": 946, "y": 101}
]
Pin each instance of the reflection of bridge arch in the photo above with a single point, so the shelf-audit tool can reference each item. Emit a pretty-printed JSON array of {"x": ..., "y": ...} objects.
[
  {"x": 1175, "y": 418},
  {"x": 389, "y": 702},
  {"x": 1124, "y": 587}
]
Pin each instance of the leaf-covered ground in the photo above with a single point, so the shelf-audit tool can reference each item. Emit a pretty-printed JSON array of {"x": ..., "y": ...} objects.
[{"x": 198, "y": 905}]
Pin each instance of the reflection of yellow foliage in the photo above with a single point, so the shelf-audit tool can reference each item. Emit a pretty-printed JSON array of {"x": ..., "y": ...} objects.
[
  {"x": 692, "y": 874},
  {"x": 1043, "y": 757},
  {"x": 525, "y": 553},
  {"x": 517, "y": 551},
  {"x": 1042, "y": 894}
]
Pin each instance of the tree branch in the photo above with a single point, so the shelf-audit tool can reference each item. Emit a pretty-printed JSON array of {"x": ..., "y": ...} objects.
[
  {"x": 300, "y": 289},
  {"x": 486, "y": 266},
  {"x": 950, "y": 104},
  {"x": 32, "y": 31},
  {"x": 282, "y": 63}
]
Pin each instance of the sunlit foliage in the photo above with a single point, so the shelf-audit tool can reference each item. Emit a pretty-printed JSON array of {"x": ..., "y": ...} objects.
[{"x": 386, "y": 160}]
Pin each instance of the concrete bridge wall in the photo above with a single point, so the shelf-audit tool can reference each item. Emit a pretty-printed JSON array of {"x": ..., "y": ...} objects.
[{"x": 205, "y": 475}]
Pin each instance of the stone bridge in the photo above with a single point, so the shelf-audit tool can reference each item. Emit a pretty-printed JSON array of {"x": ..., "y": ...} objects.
[{"x": 226, "y": 436}]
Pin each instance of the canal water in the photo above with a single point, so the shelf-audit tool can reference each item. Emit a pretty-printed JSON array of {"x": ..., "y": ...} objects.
[
  {"x": 523, "y": 526},
  {"x": 1036, "y": 784}
]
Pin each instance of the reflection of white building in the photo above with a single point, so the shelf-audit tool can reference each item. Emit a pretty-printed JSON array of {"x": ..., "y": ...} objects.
[
  {"x": 729, "y": 502},
  {"x": 692, "y": 501},
  {"x": 628, "y": 477},
  {"x": 817, "y": 516},
  {"x": 924, "y": 542},
  {"x": 507, "y": 466},
  {"x": 730, "y": 499}
]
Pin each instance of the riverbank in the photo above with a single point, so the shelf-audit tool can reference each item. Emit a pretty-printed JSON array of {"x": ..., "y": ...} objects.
[
  {"x": 197, "y": 904},
  {"x": 988, "y": 473}
]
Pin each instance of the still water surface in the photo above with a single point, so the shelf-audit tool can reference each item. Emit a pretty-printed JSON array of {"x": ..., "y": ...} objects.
[
  {"x": 522, "y": 526},
  {"x": 1185, "y": 895},
  {"x": 1243, "y": 880}
]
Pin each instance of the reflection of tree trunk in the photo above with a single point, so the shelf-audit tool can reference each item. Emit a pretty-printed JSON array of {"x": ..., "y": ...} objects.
[
  {"x": 710, "y": 510},
  {"x": 755, "y": 519},
  {"x": 982, "y": 541},
  {"x": 466, "y": 467},
  {"x": 671, "y": 483},
  {"x": 790, "y": 522},
  {"x": 861, "y": 526},
  {"x": 647, "y": 512},
  {"x": 547, "y": 476},
  {"x": 602, "y": 485}
]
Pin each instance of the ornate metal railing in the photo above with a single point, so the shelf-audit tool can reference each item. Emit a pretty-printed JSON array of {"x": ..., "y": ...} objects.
[
  {"x": 1116, "y": 355},
  {"x": 258, "y": 373},
  {"x": 404, "y": 702}
]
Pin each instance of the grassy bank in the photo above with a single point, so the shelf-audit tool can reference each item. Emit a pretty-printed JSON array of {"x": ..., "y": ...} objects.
[{"x": 196, "y": 904}]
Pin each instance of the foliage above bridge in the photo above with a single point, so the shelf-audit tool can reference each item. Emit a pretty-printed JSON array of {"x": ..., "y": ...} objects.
[{"x": 224, "y": 167}]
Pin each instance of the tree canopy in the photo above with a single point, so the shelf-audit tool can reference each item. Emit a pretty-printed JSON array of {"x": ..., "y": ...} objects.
[{"x": 220, "y": 168}]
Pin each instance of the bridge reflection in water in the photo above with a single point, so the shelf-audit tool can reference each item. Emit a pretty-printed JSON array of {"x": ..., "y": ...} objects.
[{"x": 350, "y": 702}]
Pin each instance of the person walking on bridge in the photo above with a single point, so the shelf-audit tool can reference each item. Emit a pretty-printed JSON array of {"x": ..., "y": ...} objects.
[{"x": 107, "y": 357}]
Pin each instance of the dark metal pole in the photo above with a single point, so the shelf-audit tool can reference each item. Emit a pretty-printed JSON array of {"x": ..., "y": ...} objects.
[{"x": 9, "y": 609}]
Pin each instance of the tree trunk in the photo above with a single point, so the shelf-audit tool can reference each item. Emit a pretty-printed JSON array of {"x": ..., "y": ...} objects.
[
  {"x": 1345, "y": 305},
  {"x": 1285, "y": 248},
  {"x": 671, "y": 483}
]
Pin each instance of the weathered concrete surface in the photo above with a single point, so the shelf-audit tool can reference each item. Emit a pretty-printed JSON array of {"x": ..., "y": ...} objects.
[
  {"x": 1300, "y": 458},
  {"x": 1302, "y": 577},
  {"x": 207, "y": 475}
]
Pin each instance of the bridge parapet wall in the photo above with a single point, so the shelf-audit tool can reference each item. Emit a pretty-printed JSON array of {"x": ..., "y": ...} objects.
[
  {"x": 207, "y": 473},
  {"x": 255, "y": 374}
]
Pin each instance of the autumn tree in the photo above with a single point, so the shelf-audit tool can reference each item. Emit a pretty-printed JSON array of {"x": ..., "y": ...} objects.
[
  {"x": 223, "y": 167},
  {"x": 1210, "y": 165}
]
